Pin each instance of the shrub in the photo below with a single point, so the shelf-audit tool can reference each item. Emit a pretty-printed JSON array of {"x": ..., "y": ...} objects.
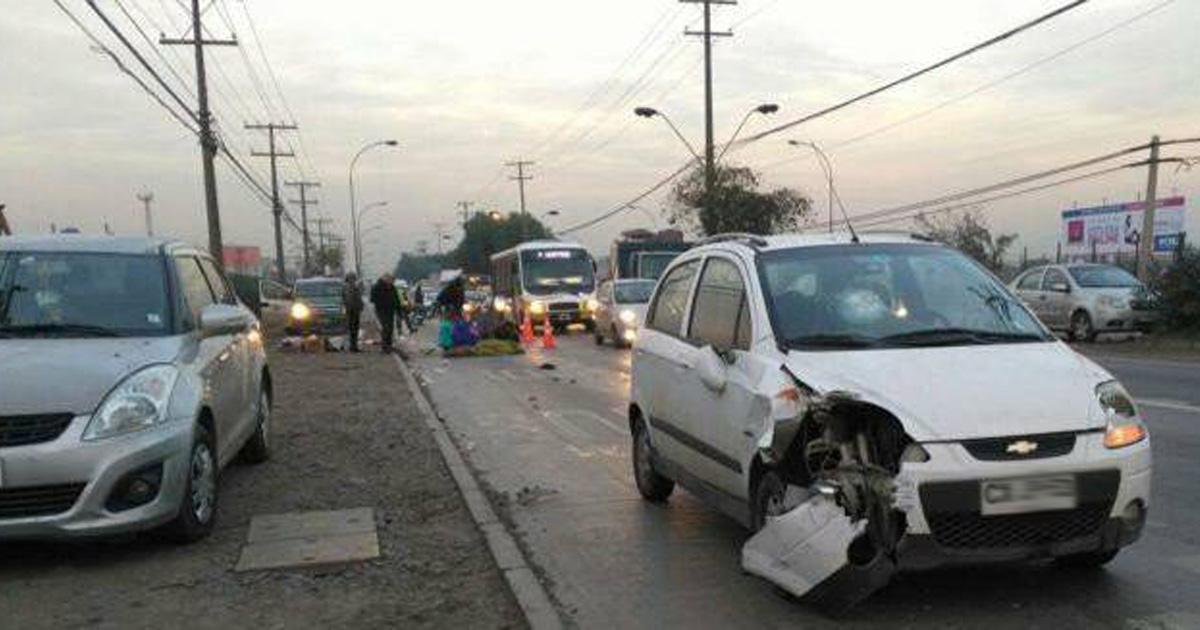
[{"x": 1178, "y": 290}]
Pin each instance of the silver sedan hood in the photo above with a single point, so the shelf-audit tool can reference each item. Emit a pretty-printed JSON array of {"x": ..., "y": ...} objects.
[{"x": 72, "y": 375}]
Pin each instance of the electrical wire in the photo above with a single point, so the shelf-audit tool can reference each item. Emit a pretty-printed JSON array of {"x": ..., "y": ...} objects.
[{"x": 913, "y": 75}]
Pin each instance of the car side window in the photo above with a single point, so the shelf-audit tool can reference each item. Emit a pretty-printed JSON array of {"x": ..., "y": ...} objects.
[
  {"x": 1031, "y": 281},
  {"x": 670, "y": 303},
  {"x": 1053, "y": 277},
  {"x": 719, "y": 313},
  {"x": 196, "y": 292},
  {"x": 217, "y": 281}
]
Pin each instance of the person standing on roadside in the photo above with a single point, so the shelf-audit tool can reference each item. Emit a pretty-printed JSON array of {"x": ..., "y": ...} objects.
[
  {"x": 387, "y": 306},
  {"x": 352, "y": 301}
]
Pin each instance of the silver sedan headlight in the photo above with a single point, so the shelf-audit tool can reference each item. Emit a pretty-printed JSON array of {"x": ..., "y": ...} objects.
[
  {"x": 138, "y": 403},
  {"x": 1109, "y": 301}
]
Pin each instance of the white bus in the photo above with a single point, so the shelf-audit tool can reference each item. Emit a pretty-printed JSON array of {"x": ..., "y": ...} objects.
[{"x": 550, "y": 280}]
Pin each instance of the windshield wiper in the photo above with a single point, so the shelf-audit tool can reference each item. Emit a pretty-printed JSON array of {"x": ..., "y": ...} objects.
[
  {"x": 831, "y": 341},
  {"x": 956, "y": 336},
  {"x": 56, "y": 329}
]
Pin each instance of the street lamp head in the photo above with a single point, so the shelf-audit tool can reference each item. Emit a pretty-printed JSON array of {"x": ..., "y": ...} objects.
[
  {"x": 767, "y": 108},
  {"x": 553, "y": 213},
  {"x": 795, "y": 143},
  {"x": 646, "y": 112},
  {"x": 390, "y": 143}
]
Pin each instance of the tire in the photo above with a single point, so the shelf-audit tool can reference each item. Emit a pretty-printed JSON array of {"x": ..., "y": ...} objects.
[
  {"x": 258, "y": 448},
  {"x": 1087, "y": 560},
  {"x": 1082, "y": 328},
  {"x": 598, "y": 337},
  {"x": 767, "y": 499},
  {"x": 653, "y": 486},
  {"x": 198, "y": 509}
]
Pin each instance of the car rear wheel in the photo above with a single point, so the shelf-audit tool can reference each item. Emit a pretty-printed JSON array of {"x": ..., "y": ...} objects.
[
  {"x": 617, "y": 340},
  {"x": 599, "y": 338},
  {"x": 198, "y": 508},
  {"x": 258, "y": 448},
  {"x": 1088, "y": 560},
  {"x": 1082, "y": 328},
  {"x": 653, "y": 486}
]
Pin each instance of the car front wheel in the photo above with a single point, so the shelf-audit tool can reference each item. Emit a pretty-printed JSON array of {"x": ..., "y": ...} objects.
[
  {"x": 198, "y": 508},
  {"x": 768, "y": 499},
  {"x": 653, "y": 486},
  {"x": 1082, "y": 328}
]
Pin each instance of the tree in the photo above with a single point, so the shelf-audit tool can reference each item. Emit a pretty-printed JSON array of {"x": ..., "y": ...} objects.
[
  {"x": 969, "y": 233},
  {"x": 417, "y": 267},
  {"x": 328, "y": 257},
  {"x": 1178, "y": 289},
  {"x": 737, "y": 204},
  {"x": 485, "y": 235}
]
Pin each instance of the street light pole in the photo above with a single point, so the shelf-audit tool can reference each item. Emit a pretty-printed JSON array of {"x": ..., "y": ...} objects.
[
  {"x": 650, "y": 112},
  {"x": 826, "y": 166},
  {"x": 353, "y": 210},
  {"x": 765, "y": 109}
]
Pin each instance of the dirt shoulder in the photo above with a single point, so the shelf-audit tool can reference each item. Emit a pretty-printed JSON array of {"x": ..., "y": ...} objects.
[
  {"x": 1156, "y": 346},
  {"x": 347, "y": 434}
]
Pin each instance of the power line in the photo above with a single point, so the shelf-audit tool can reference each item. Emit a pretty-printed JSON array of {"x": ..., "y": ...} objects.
[
  {"x": 988, "y": 85},
  {"x": 624, "y": 207},
  {"x": 913, "y": 75}
]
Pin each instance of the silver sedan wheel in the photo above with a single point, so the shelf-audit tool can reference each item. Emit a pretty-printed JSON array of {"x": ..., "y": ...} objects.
[{"x": 203, "y": 483}]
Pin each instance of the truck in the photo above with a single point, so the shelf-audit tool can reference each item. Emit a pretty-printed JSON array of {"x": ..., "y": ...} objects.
[{"x": 644, "y": 254}]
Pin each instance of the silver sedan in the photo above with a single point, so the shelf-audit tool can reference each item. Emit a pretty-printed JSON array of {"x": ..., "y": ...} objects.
[
  {"x": 131, "y": 376},
  {"x": 1085, "y": 300}
]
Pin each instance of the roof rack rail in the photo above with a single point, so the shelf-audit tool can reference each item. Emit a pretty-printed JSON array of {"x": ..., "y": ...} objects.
[{"x": 753, "y": 240}]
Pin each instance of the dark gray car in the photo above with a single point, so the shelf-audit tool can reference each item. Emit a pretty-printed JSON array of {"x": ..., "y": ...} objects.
[{"x": 130, "y": 374}]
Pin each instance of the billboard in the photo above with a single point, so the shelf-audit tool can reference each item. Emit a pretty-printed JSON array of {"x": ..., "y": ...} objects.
[
  {"x": 242, "y": 258},
  {"x": 1117, "y": 228}
]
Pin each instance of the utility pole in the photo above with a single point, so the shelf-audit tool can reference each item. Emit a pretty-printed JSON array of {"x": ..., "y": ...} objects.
[
  {"x": 304, "y": 202},
  {"x": 710, "y": 172},
  {"x": 276, "y": 205},
  {"x": 466, "y": 212},
  {"x": 208, "y": 141},
  {"x": 1146, "y": 240},
  {"x": 146, "y": 198},
  {"x": 4, "y": 229},
  {"x": 521, "y": 178},
  {"x": 437, "y": 227}
]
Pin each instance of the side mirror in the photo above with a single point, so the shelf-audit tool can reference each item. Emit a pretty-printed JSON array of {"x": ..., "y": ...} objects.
[
  {"x": 1060, "y": 287},
  {"x": 223, "y": 319},
  {"x": 710, "y": 367}
]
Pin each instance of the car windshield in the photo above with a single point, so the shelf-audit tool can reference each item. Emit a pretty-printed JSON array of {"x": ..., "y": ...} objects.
[
  {"x": 548, "y": 271},
  {"x": 1103, "y": 276},
  {"x": 318, "y": 289},
  {"x": 82, "y": 295},
  {"x": 634, "y": 292},
  {"x": 891, "y": 295}
]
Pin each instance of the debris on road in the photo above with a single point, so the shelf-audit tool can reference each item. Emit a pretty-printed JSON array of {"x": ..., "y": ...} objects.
[{"x": 803, "y": 547}]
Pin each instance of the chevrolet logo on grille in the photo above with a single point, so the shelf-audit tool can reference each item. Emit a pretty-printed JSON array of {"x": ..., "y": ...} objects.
[{"x": 1022, "y": 447}]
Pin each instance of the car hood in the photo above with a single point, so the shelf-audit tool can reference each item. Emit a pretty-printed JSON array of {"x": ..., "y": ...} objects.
[
  {"x": 72, "y": 375},
  {"x": 964, "y": 392}
]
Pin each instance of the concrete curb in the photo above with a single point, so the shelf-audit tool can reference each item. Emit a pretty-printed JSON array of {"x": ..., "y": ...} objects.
[{"x": 530, "y": 595}]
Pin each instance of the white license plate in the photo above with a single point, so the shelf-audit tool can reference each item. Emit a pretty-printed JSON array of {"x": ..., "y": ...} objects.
[{"x": 1027, "y": 494}]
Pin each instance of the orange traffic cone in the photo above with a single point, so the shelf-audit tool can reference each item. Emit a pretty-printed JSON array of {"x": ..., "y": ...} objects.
[
  {"x": 527, "y": 329},
  {"x": 548, "y": 336}
]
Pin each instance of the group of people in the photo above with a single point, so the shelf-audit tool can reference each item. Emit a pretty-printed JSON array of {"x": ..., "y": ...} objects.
[{"x": 393, "y": 308}]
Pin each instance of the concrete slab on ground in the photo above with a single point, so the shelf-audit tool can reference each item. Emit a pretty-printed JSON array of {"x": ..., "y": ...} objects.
[{"x": 300, "y": 539}]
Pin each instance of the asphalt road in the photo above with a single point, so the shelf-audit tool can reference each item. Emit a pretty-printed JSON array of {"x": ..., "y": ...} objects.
[{"x": 553, "y": 445}]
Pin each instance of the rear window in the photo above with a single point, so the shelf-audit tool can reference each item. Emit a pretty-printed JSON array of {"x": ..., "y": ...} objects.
[{"x": 319, "y": 289}]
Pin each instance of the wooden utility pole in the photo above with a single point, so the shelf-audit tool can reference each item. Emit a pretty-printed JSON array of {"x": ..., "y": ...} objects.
[
  {"x": 276, "y": 204},
  {"x": 208, "y": 141},
  {"x": 304, "y": 202},
  {"x": 710, "y": 170},
  {"x": 1146, "y": 239}
]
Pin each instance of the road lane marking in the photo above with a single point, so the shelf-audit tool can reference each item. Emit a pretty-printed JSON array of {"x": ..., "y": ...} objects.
[{"x": 1174, "y": 405}]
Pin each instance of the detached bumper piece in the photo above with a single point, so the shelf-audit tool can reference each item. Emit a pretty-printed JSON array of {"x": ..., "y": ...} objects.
[{"x": 808, "y": 551}]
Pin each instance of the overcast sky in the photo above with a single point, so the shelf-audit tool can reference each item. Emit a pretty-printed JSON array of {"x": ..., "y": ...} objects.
[{"x": 466, "y": 86}]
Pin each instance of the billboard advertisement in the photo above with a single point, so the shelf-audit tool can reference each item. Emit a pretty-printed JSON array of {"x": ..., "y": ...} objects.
[
  {"x": 245, "y": 259},
  {"x": 1117, "y": 228}
]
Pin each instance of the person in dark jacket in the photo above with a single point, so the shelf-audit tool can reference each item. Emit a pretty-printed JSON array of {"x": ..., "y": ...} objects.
[
  {"x": 387, "y": 306},
  {"x": 352, "y": 301},
  {"x": 451, "y": 298}
]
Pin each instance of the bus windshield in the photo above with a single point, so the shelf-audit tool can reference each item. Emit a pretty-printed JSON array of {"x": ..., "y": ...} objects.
[{"x": 546, "y": 271}]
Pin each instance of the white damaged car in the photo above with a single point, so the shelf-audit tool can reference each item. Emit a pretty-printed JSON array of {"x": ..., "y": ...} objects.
[{"x": 877, "y": 403}]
